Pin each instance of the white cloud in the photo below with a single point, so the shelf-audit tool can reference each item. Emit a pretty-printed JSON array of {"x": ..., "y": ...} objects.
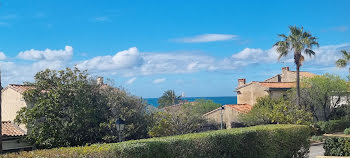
[
  {"x": 47, "y": 54},
  {"x": 131, "y": 80},
  {"x": 2, "y": 56},
  {"x": 207, "y": 38},
  {"x": 122, "y": 60},
  {"x": 159, "y": 80}
]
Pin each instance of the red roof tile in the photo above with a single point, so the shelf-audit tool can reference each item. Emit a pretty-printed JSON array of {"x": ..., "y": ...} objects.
[
  {"x": 242, "y": 108},
  {"x": 10, "y": 129},
  {"x": 19, "y": 88}
]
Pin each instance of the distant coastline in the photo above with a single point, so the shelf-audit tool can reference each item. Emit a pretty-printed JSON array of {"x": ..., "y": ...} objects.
[{"x": 220, "y": 100}]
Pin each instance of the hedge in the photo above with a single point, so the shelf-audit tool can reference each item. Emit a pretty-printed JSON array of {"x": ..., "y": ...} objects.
[
  {"x": 265, "y": 141},
  {"x": 337, "y": 146},
  {"x": 332, "y": 126}
]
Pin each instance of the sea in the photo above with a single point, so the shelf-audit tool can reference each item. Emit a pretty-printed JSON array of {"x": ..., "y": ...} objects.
[{"x": 219, "y": 100}]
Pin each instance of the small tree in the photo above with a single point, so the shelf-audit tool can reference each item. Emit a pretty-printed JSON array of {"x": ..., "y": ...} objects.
[
  {"x": 322, "y": 94},
  {"x": 168, "y": 98},
  {"x": 268, "y": 110}
]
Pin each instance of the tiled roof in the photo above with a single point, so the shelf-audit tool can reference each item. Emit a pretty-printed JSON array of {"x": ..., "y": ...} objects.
[
  {"x": 307, "y": 74},
  {"x": 242, "y": 108},
  {"x": 278, "y": 84},
  {"x": 10, "y": 129},
  {"x": 19, "y": 88}
]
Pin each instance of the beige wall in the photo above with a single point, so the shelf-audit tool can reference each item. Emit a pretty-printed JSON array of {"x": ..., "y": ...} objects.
[
  {"x": 12, "y": 101},
  {"x": 229, "y": 116},
  {"x": 273, "y": 79},
  {"x": 249, "y": 94},
  {"x": 276, "y": 94}
]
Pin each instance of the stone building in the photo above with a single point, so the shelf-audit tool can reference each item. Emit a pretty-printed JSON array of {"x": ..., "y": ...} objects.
[{"x": 248, "y": 93}]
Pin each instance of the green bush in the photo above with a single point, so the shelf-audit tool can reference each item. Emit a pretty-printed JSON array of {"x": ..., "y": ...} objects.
[
  {"x": 337, "y": 146},
  {"x": 266, "y": 141},
  {"x": 332, "y": 126},
  {"x": 347, "y": 131}
]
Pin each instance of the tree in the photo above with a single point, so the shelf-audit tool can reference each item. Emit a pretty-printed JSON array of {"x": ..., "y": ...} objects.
[
  {"x": 344, "y": 61},
  {"x": 175, "y": 122},
  {"x": 202, "y": 106},
  {"x": 322, "y": 95},
  {"x": 268, "y": 110},
  {"x": 168, "y": 98},
  {"x": 129, "y": 108},
  {"x": 64, "y": 109},
  {"x": 298, "y": 41}
]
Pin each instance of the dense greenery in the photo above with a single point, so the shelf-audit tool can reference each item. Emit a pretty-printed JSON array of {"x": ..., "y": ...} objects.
[
  {"x": 332, "y": 126},
  {"x": 321, "y": 96},
  {"x": 266, "y": 141},
  {"x": 298, "y": 41},
  {"x": 347, "y": 131},
  {"x": 337, "y": 146},
  {"x": 268, "y": 110},
  {"x": 168, "y": 98},
  {"x": 182, "y": 119},
  {"x": 68, "y": 109}
]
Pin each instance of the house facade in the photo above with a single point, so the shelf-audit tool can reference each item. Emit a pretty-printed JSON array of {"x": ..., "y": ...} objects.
[
  {"x": 12, "y": 101},
  {"x": 275, "y": 87},
  {"x": 248, "y": 93}
]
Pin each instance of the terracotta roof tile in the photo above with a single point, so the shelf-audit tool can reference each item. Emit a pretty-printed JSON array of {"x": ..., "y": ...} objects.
[
  {"x": 10, "y": 129},
  {"x": 278, "y": 84},
  {"x": 19, "y": 88},
  {"x": 242, "y": 108}
]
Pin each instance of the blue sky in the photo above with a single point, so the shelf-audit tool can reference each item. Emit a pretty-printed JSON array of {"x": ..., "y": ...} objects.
[{"x": 200, "y": 48}]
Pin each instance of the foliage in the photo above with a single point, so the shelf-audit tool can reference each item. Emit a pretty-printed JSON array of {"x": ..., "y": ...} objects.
[
  {"x": 347, "y": 131},
  {"x": 67, "y": 109},
  {"x": 332, "y": 126},
  {"x": 176, "y": 121},
  {"x": 129, "y": 108},
  {"x": 299, "y": 42},
  {"x": 202, "y": 106},
  {"x": 315, "y": 138},
  {"x": 168, "y": 98},
  {"x": 268, "y": 110},
  {"x": 259, "y": 141},
  {"x": 337, "y": 146},
  {"x": 321, "y": 95}
]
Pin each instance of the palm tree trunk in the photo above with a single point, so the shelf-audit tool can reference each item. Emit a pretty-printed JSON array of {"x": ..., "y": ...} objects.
[{"x": 298, "y": 85}]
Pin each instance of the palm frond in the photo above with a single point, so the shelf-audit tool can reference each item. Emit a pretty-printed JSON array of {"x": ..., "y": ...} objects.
[
  {"x": 346, "y": 54},
  {"x": 309, "y": 52},
  {"x": 341, "y": 63}
]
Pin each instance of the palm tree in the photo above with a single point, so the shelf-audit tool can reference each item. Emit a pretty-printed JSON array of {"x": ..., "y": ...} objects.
[
  {"x": 168, "y": 98},
  {"x": 300, "y": 43},
  {"x": 344, "y": 61}
]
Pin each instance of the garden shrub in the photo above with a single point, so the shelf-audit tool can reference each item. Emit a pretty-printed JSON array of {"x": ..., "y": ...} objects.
[
  {"x": 332, "y": 126},
  {"x": 337, "y": 146},
  {"x": 347, "y": 131},
  {"x": 265, "y": 141}
]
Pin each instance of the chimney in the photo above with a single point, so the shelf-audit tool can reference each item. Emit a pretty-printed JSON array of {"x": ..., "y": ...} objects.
[
  {"x": 285, "y": 69},
  {"x": 241, "y": 82},
  {"x": 99, "y": 80}
]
